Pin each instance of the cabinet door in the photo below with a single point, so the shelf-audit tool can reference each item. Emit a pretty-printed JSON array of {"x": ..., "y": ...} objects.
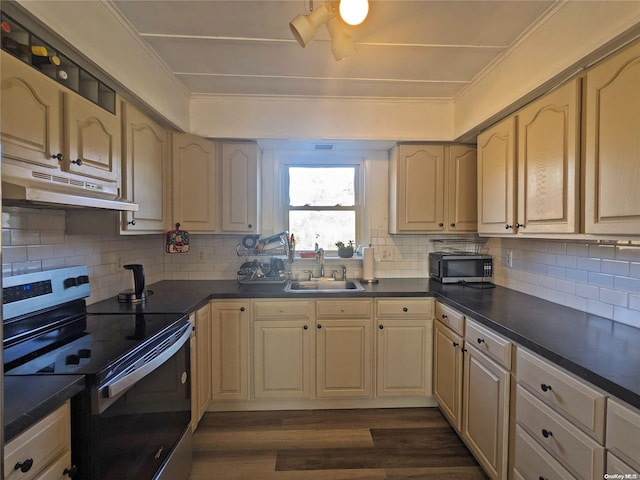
[
  {"x": 404, "y": 360},
  {"x": 496, "y": 178},
  {"x": 549, "y": 163},
  {"x": 462, "y": 185},
  {"x": 92, "y": 140},
  {"x": 195, "y": 186},
  {"x": 145, "y": 172},
  {"x": 447, "y": 373},
  {"x": 240, "y": 187},
  {"x": 31, "y": 114},
  {"x": 343, "y": 358},
  {"x": 612, "y": 196},
  {"x": 282, "y": 358},
  {"x": 230, "y": 350},
  {"x": 485, "y": 416},
  {"x": 417, "y": 189}
]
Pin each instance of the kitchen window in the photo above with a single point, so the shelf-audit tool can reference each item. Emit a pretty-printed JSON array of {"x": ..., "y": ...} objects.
[{"x": 322, "y": 204}]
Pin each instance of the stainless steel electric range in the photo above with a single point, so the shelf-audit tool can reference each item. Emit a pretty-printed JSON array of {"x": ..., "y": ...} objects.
[{"x": 132, "y": 420}]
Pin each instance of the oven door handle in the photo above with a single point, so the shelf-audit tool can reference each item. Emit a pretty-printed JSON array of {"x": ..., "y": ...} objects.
[{"x": 119, "y": 385}]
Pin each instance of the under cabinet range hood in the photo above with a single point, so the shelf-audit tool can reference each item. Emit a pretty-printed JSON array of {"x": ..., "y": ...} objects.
[{"x": 32, "y": 187}]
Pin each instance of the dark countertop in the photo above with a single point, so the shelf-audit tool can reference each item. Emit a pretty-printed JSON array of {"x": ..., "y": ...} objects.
[
  {"x": 28, "y": 399},
  {"x": 600, "y": 351}
]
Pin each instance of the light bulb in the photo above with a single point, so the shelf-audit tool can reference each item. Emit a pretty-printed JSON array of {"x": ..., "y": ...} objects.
[{"x": 354, "y": 11}]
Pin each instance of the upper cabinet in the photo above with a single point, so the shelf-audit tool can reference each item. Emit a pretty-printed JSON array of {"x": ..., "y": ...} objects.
[
  {"x": 240, "y": 187},
  {"x": 195, "y": 187},
  {"x": 91, "y": 139},
  {"x": 529, "y": 168},
  {"x": 145, "y": 172},
  {"x": 432, "y": 189},
  {"x": 496, "y": 178},
  {"x": 31, "y": 115},
  {"x": 612, "y": 196}
]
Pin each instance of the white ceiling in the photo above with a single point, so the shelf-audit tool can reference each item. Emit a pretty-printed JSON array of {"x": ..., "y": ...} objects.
[{"x": 405, "y": 49}]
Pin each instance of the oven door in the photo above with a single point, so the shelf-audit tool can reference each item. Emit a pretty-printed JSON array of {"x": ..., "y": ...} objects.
[{"x": 135, "y": 433}]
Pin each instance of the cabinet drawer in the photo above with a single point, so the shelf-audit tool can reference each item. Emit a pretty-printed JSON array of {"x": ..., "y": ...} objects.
[
  {"x": 623, "y": 431},
  {"x": 582, "y": 403},
  {"x": 43, "y": 443},
  {"x": 343, "y": 308},
  {"x": 405, "y": 307},
  {"x": 450, "y": 317},
  {"x": 533, "y": 462},
  {"x": 617, "y": 466},
  {"x": 489, "y": 343},
  {"x": 282, "y": 309},
  {"x": 562, "y": 439},
  {"x": 56, "y": 470}
]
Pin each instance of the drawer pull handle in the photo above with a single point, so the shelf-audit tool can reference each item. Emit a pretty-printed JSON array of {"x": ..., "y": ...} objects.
[
  {"x": 455, "y": 344},
  {"x": 545, "y": 387},
  {"x": 547, "y": 433},
  {"x": 405, "y": 309},
  {"x": 24, "y": 466},
  {"x": 542, "y": 478},
  {"x": 463, "y": 350},
  {"x": 481, "y": 340},
  {"x": 71, "y": 472}
]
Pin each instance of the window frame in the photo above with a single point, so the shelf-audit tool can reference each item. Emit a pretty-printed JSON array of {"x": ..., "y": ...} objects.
[{"x": 357, "y": 208}]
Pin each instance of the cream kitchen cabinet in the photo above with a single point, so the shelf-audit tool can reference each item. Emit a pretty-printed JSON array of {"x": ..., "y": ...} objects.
[
  {"x": 284, "y": 348},
  {"x": 432, "y": 189},
  {"x": 497, "y": 178},
  {"x": 623, "y": 436},
  {"x": 485, "y": 398},
  {"x": 92, "y": 139},
  {"x": 612, "y": 155},
  {"x": 404, "y": 342},
  {"x": 43, "y": 450},
  {"x": 146, "y": 173},
  {"x": 230, "y": 349},
  {"x": 240, "y": 187},
  {"x": 448, "y": 345},
  {"x": 344, "y": 359},
  {"x": 200, "y": 363},
  {"x": 544, "y": 195},
  {"x": 195, "y": 183},
  {"x": 31, "y": 115}
]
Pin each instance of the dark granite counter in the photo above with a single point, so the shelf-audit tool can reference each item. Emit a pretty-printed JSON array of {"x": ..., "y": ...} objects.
[
  {"x": 29, "y": 399},
  {"x": 602, "y": 352}
]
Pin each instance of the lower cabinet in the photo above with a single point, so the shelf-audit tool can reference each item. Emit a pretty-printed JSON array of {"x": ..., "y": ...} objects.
[
  {"x": 46, "y": 447},
  {"x": 447, "y": 373},
  {"x": 623, "y": 438},
  {"x": 200, "y": 364},
  {"x": 230, "y": 349}
]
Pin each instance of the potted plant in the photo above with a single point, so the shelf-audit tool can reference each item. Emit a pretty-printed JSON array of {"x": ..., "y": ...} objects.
[{"x": 345, "y": 251}]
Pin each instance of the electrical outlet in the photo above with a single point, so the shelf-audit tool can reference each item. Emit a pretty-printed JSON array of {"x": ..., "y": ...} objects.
[
  {"x": 201, "y": 256},
  {"x": 386, "y": 254},
  {"x": 118, "y": 262},
  {"x": 509, "y": 258}
]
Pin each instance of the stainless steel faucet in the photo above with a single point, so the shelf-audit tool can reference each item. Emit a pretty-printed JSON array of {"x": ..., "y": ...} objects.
[{"x": 320, "y": 260}]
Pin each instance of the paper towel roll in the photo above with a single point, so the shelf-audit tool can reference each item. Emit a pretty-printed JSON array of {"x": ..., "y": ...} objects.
[{"x": 367, "y": 263}]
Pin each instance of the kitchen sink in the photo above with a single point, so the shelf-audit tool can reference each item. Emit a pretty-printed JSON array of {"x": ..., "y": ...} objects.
[{"x": 324, "y": 286}]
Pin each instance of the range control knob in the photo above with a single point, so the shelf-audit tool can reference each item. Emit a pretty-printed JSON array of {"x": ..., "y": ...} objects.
[
  {"x": 70, "y": 282},
  {"x": 72, "y": 359},
  {"x": 84, "y": 353}
]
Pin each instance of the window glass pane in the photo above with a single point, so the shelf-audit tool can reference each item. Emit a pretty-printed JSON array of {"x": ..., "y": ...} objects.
[
  {"x": 325, "y": 227},
  {"x": 322, "y": 186}
]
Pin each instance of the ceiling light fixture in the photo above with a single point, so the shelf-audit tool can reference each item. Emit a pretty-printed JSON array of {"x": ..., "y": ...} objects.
[
  {"x": 304, "y": 28},
  {"x": 354, "y": 11}
]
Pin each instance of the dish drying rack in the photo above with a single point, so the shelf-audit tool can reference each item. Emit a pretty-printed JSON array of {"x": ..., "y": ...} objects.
[{"x": 273, "y": 246}]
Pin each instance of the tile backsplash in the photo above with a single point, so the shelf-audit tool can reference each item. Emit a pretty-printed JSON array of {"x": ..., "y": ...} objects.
[{"x": 600, "y": 278}]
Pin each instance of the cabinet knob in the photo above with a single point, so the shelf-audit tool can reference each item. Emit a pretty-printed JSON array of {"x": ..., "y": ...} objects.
[
  {"x": 131, "y": 222},
  {"x": 242, "y": 309},
  {"x": 381, "y": 327},
  {"x": 405, "y": 309},
  {"x": 542, "y": 478},
  {"x": 444, "y": 316},
  {"x": 507, "y": 226},
  {"x": 250, "y": 226},
  {"x": 441, "y": 224},
  {"x": 453, "y": 225},
  {"x": 319, "y": 326},
  {"x": 481, "y": 340},
  {"x": 58, "y": 156},
  {"x": 71, "y": 472},
  {"x": 77, "y": 162},
  {"x": 546, "y": 433},
  {"x": 463, "y": 350},
  {"x": 306, "y": 327},
  {"x": 455, "y": 344},
  {"x": 544, "y": 387},
  {"x": 24, "y": 466},
  {"x": 519, "y": 225}
]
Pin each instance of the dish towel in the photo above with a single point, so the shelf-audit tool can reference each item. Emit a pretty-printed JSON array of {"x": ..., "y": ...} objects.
[{"x": 177, "y": 240}]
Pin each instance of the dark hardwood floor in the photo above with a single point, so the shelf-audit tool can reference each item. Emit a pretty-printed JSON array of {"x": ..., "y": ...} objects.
[{"x": 394, "y": 444}]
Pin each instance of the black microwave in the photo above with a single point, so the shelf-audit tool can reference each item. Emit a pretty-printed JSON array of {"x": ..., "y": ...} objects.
[{"x": 449, "y": 267}]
